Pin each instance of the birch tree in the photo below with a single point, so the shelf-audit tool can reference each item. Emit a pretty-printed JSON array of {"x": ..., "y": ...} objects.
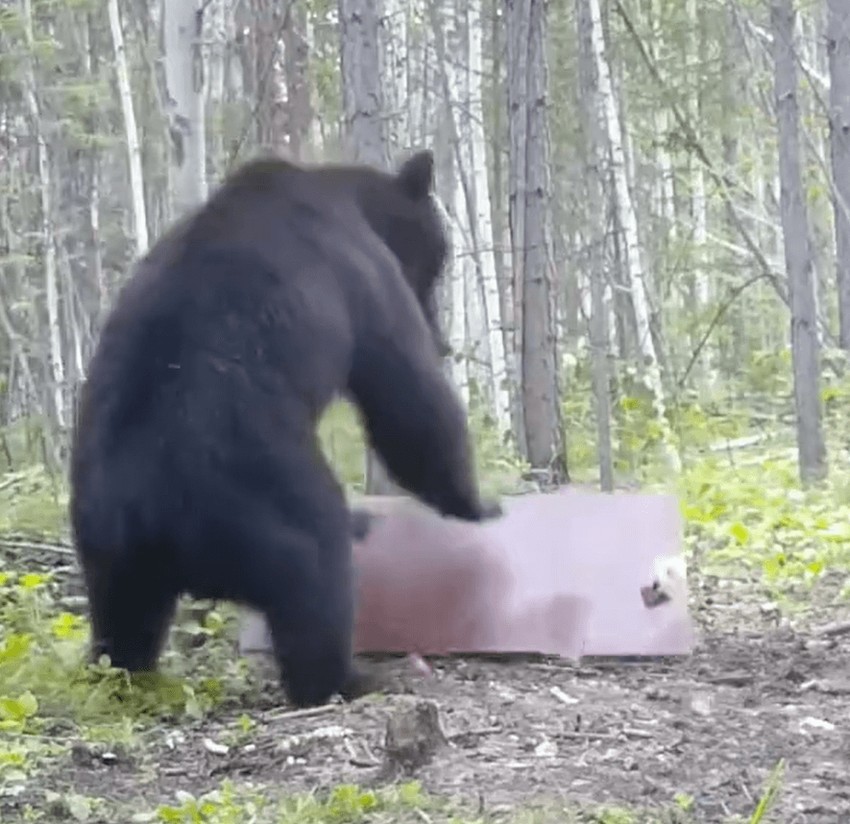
[
  {"x": 476, "y": 308},
  {"x": 45, "y": 189},
  {"x": 595, "y": 173},
  {"x": 798, "y": 256},
  {"x": 480, "y": 218},
  {"x": 184, "y": 78},
  {"x": 362, "y": 95},
  {"x": 838, "y": 47},
  {"x": 466, "y": 326},
  {"x": 627, "y": 219},
  {"x": 542, "y": 434},
  {"x": 131, "y": 133}
]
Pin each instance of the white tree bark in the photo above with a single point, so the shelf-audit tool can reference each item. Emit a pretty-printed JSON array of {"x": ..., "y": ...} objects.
[
  {"x": 598, "y": 310},
  {"x": 468, "y": 325},
  {"x": 481, "y": 220},
  {"x": 184, "y": 78},
  {"x": 57, "y": 360},
  {"x": 131, "y": 133},
  {"x": 628, "y": 220},
  {"x": 363, "y": 98},
  {"x": 218, "y": 25},
  {"x": 395, "y": 40},
  {"x": 94, "y": 252}
]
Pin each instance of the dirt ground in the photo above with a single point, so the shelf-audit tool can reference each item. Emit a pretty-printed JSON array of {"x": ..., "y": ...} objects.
[{"x": 522, "y": 732}]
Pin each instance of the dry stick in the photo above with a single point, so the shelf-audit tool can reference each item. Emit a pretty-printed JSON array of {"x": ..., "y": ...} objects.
[
  {"x": 723, "y": 182},
  {"x": 58, "y": 549},
  {"x": 831, "y": 630}
]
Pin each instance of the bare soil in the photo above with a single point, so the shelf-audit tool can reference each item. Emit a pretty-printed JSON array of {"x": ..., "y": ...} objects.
[{"x": 524, "y": 732}]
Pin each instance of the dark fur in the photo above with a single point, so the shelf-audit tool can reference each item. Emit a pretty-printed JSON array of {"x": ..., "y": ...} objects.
[{"x": 195, "y": 462}]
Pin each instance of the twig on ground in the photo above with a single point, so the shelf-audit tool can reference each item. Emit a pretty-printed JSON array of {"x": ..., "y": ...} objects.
[
  {"x": 37, "y": 546},
  {"x": 308, "y": 712},
  {"x": 833, "y": 629}
]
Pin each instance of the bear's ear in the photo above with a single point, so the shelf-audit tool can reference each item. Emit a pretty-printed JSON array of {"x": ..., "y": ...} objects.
[{"x": 416, "y": 175}]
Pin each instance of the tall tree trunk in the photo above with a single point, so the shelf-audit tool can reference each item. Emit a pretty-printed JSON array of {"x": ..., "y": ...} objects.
[
  {"x": 630, "y": 240},
  {"x": 501, "y": 229},
  {"x": 798, "y": 258},
  {"x": 362, "y": 95},
  {"x": 184, "y": 77},
  {"x": 530, "y": 191},
  {"x": 838, "y": 47},
  {"x": 131, "y": 133},
  {"x": 595, "y": 172},
  {"x": 699, "y": 203},
  {"x": 299, "y": 108},
  {"x": 462, "y": 92},
  {"x": 481, "y": 219},
  {"x": 45, "y": 188}
]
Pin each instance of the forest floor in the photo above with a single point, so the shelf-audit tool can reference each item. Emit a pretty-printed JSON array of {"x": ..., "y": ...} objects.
[{"x": 693, "y": 740}]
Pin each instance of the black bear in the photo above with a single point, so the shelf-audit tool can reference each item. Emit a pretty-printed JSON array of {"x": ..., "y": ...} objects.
[{"x": 195, "y": 464}]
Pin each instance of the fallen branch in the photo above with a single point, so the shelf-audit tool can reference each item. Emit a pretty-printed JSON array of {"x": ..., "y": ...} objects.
[{"x": 37, "y": 546}]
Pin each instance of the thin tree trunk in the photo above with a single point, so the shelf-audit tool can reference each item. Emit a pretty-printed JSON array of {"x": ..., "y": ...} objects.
[
  {"x": 184, "y": 77},
  {"x": 517, "y": 72},
  {"x": 798, "y": 258},
  {"x": 299, "y": 109},
  {"x": 465, "y": 118},
  {"x": 45, "y": 184},
  {"x": 630, "y": 238},
  {"x": 838, "y": 47},
  {"x": 530, "y": 192},
  {"x": 699, "y": 203},
  {"x": 131, "y": 133},
  {"x": 595, "y": 173},
  {"x": 481, "y": 219},
  {"x": 360, "y": 67}
]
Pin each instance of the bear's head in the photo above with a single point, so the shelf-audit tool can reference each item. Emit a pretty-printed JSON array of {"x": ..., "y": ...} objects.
[
  {"x": 400, "y": 207},
  {"x": 402, "y": 210}
]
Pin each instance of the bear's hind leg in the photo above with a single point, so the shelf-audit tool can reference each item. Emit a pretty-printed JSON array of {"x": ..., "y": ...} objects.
[
  {"x": 130, "y": 615},
  {"x": 297, "y": 574},
  {"x": 311, "y": 619}
]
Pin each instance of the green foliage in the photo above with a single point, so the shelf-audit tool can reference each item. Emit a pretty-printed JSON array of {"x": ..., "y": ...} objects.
[
  {"x": 32, "y": 503},
  {"x": 752, "y": 515},
  {"x": 45, "y": 681},
  {"x": 742, "y": 504},
  {"x": 345, "y": 804},
  {"x": 768, "y": 798},
  {"x": 343, "y": 442},
  {"x": 768, "y": 372}
]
